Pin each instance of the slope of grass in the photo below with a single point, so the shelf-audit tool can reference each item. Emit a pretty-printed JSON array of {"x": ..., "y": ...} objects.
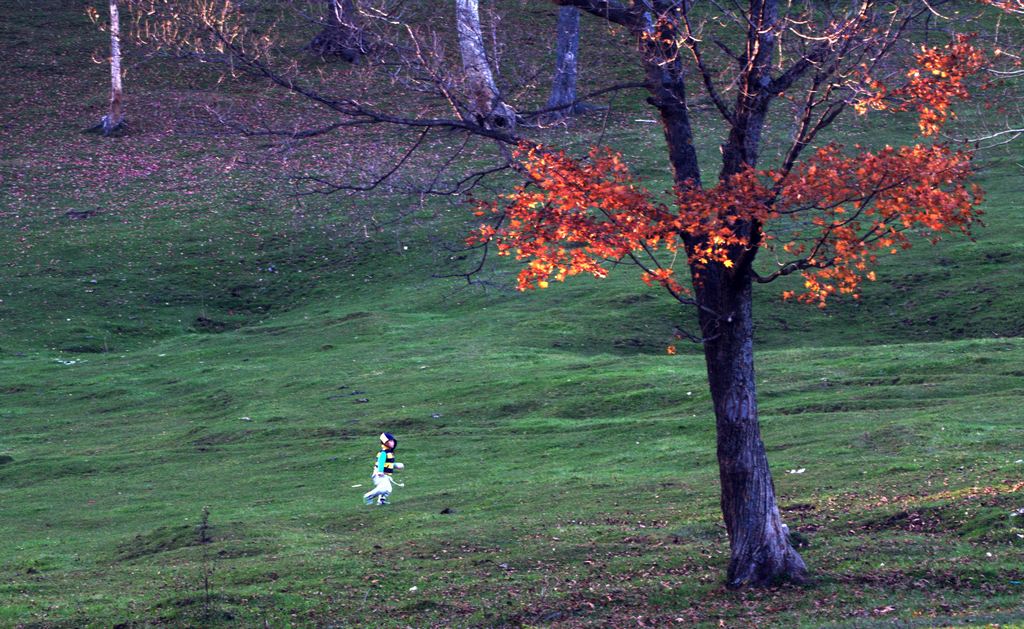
[
  {"x": 203, "y": 340},
  {"x": 539, "y": 482}
]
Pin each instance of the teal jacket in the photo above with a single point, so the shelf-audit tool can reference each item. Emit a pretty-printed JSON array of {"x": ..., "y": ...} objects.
[{"x": 385, "y": 462}]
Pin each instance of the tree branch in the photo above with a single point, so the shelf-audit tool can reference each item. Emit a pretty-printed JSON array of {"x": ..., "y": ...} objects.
[
  {"x": 611, "y": 88},
  {"x": 356, "y": 110},
  {"x": 693, "y": 45},
  {"x": 372, "y": 185},
  {"x": 610, "y": 10},
  {"x": 294, "y": 134}
]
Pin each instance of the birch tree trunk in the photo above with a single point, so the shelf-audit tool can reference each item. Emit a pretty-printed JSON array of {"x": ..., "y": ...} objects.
[
  {"x": 115, "y": 116},
  {"x": 486, "y": 107}
]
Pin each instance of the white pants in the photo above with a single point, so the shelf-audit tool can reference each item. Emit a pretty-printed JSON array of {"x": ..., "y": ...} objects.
[{"x": 382, "y": 487}]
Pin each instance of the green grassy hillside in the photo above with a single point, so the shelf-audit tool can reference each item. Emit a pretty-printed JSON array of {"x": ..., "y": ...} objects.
[{"x": 201, "y": 339}]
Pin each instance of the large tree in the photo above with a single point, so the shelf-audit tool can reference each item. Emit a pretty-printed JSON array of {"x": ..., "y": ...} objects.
[
  {"x": 776, "y": 76},
  {"x": 486, "y": 106},
  {"x": 836, "y": 208}
]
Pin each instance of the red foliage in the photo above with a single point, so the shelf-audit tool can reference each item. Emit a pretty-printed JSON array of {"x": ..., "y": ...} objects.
[
  {"x": 868, "y": 202},
  {"x": 832, "y": 213},
  {"x": 1010, "y": 6},
  {"x": 574, "y": 215},
  {"x": 578, "y": 214},
  {"x": 939, "y": 75}
]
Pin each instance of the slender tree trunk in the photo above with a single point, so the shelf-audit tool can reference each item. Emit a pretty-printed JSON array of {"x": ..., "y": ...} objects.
[
  {"x": 563, "y": 84},
  {"x": 342, "y": 36},
  {"x": 115, "y": 116},
  {"x": 486, "y": 107},
  {"x": 761, "y": 553}
]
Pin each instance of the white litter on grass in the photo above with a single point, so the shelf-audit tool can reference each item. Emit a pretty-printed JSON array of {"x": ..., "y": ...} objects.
[
  {"x": 799, "y": 471},
  {"x": 1019, "y": 461},
  {"x": 359, "y": 485},
  {"x": 413, "y": 588},
  {"x": 66, "y": 362},
  {"x": 1016, "y": 513}
]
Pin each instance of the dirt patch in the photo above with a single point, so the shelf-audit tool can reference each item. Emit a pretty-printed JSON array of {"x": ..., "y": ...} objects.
[
  {"x": 211, "y": 326},
  {"x": 169, "y": 538},
  {"x": 160, "y": 540},
  {"x": 888, "y": 439}
]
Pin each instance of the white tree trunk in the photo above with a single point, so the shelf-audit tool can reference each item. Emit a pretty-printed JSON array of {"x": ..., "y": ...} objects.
[
  {"x": 115, "y": 117},
  {"x": 486, "y": 107}
]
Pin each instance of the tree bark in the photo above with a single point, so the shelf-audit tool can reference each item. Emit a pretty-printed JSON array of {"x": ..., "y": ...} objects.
[
  {"x": 485, "y": 105},
  {"x": 115, "y": 115},
  {"x": 342, "y": 36},
  {"x": 760, "y": 550},
  {"x": 567, "y": 47},
  {"x": 665, "y": 81}
]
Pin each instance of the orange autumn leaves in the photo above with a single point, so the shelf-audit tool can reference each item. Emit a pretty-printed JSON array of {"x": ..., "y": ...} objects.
[
  {"x": 1009, "y": 6},
  {"x": 574, "y": 217},
  {"x": 846, "y": 209},
  {"x": 938, "y": 76},
  {"x": 833, "y": 214},
  {"x": 827, "y": 218}
]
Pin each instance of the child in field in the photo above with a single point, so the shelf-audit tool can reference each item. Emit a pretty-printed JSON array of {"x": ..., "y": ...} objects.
[{"x": 382, "y": 471}]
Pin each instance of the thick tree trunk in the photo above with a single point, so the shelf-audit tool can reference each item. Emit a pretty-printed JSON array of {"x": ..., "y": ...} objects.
[
  {"x": 567, "y": 47},
  {"x": 761, "y": 553},
  {"x": 342, "y": 36},
  {"x": 115, "y": 115},
  {"x": 486, "y": 107}
]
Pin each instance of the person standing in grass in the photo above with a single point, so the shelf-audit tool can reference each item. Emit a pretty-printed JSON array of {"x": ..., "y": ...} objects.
[{"x": 382, "y": 471}]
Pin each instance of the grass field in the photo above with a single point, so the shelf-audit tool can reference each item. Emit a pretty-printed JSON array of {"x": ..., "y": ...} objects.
[{"x": 193, "y": 377}]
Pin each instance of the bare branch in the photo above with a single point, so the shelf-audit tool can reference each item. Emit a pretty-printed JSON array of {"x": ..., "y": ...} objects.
[
  {"x": 1014, "y": 133},
  {"x": 692, "y": 43},
  {"x": 590, "y": 96},
  {"x": 357, "y": 110},
  {"x": 375, "y": 183},
  {"x": 610, "y": 10},
  {"x": 294, "y": 134}
]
